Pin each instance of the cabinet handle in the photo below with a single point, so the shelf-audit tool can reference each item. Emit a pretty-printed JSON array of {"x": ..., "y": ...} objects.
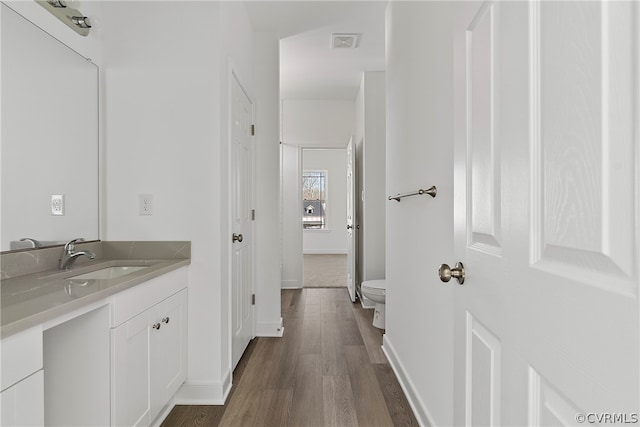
[
  {"x": 166, "y": 320},
  {"x": 156, "y": 326}
]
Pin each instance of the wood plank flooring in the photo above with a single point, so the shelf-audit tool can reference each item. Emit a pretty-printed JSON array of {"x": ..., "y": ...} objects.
[{"x": 327, "y": 370}]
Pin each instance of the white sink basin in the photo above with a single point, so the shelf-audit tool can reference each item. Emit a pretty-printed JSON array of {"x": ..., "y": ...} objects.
[{"x": 108, "y": 273}]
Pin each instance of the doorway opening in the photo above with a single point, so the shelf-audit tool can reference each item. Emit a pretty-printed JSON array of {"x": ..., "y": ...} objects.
[{"x": 324, "y": 219}]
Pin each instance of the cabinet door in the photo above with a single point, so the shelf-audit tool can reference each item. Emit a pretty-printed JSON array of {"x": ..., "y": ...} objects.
[
  {"x": 23, "y": 403},
  {"x": 169, "y": 349},
  {"x": 130, "y": 364}
]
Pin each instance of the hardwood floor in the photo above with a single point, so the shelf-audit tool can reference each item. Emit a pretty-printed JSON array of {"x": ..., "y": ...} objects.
[{"x": 327, "y": 370}]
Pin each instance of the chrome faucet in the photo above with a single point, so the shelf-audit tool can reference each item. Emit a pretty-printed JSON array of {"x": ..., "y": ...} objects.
[
  {"x": 34, "y": 242},
  {"x": 69, "y": 254}
]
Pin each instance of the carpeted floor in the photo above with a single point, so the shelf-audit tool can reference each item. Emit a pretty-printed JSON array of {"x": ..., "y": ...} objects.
[{"x": 325, "y": 271}]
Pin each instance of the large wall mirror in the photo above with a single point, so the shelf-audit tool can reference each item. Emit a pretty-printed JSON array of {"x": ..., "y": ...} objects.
[{"x": 49, "y": 138}]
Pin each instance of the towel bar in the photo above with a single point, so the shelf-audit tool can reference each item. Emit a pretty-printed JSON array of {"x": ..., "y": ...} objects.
[{"x": 431, "y": 191}]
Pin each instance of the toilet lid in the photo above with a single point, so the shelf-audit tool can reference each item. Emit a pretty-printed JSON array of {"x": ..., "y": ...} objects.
[{"x": 375, "y": 284}]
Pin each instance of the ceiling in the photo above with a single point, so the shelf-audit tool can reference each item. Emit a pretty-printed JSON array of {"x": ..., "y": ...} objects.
[{"x": 309, "y": 68}]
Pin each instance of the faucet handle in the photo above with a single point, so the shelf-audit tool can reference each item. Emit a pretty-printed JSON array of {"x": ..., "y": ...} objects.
[{"x": 70, "y": 246}]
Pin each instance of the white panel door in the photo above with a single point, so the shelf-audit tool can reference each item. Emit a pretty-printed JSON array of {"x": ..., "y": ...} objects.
[
  {"x": 547, "y": 213},
  {"x": 241, "y": 211},
  {"x": 351, "y": 222}
]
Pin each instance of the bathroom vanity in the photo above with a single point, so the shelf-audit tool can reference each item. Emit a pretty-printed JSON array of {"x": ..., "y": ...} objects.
[{"x": 103, "y": 343}]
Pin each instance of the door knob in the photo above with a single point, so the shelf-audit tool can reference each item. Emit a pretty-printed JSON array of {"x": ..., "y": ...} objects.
[
  {"x": 349, "y": 227},
  {"x": 237, "y": 237},
  {"x": 446, "y": 273}
]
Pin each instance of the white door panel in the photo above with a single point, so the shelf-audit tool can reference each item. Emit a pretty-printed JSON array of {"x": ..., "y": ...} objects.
[
  {"x": 351, "y": 222},
  {"x": 546, "y": 202},
  {"x": 584, "y": 157},
  {"x": 483, "y": 180},
  {"x": 242, "y": 199}
]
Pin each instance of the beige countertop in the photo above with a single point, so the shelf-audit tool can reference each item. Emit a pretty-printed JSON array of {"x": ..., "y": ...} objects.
[{"x": 37, "y": 298}]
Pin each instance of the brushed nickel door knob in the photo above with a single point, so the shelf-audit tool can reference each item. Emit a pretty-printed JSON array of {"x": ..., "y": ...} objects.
[
  {"x": 237, "y": 237},
  {"x": 446, "y": 273}
]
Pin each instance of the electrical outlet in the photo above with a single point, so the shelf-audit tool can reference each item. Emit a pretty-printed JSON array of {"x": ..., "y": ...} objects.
[
  {"x": 57, "y": 204},
  {"x": 145, "y": 205}
]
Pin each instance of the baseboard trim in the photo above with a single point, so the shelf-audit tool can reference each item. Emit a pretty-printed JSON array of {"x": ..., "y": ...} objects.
[
  {"x": 417, "y": 405},
  {"x": 270, "y": 329},
  {"x": 196, "y": 393},
  {"x": 290, "y": 284},
  {"x": 324, "y": 252},
  {"x": 164, "y": 413},
  {"x": 203, "y": 393}
]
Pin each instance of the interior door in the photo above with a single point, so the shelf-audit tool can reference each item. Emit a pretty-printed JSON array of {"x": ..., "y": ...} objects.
[
  {"x": 242, "y": 238},
  {"x": 546, "y": 213},
  {"x": 351, "y": 223}
]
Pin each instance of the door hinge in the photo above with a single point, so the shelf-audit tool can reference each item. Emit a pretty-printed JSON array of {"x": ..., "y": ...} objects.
[
  {"x": 253, "y": 130},
  {"x": 253, "y": 299},
  {"x": 253, "y": 214}
]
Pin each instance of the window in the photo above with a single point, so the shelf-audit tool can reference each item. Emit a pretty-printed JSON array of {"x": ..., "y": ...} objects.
[{"x": 314, "y": 200}]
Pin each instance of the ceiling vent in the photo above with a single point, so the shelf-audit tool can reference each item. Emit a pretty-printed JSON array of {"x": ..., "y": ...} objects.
[{"x": 345, "y": 40}]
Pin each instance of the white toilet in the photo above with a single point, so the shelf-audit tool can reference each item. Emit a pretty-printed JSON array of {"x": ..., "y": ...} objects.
[{"x": 376, "y": 291}]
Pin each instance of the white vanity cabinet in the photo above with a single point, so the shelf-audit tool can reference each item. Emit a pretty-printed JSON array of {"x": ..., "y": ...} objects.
[
  {"x": 168, "y": 349},
  {"x": 148, "y": 348},
  {"x": 22, "y": 396},
  {"x": 23, "y": 403},
  {"x": 130, "y": 371}
]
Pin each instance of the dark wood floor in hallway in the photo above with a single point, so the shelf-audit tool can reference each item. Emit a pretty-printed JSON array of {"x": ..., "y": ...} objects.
[{"x": 327, "y": 370}]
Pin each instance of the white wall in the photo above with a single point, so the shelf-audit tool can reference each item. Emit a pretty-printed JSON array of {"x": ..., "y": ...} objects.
[
  {"x": 370, "y": 140},
  {"x": 419, "y": 334},
  {"x": 333, "y": 239},
  {"x": 291, "y": 164},
  {"x": 313, "y": 124},
  {"x": 166, "y": 134},
  {"x": 317, "y": 123},
  {"x": 375, "y": 194}
]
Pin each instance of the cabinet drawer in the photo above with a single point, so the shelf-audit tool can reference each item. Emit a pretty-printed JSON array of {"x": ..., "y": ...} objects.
[
  {"x": 21, "y": 356},
  {"x": 127, "y": 304}
]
